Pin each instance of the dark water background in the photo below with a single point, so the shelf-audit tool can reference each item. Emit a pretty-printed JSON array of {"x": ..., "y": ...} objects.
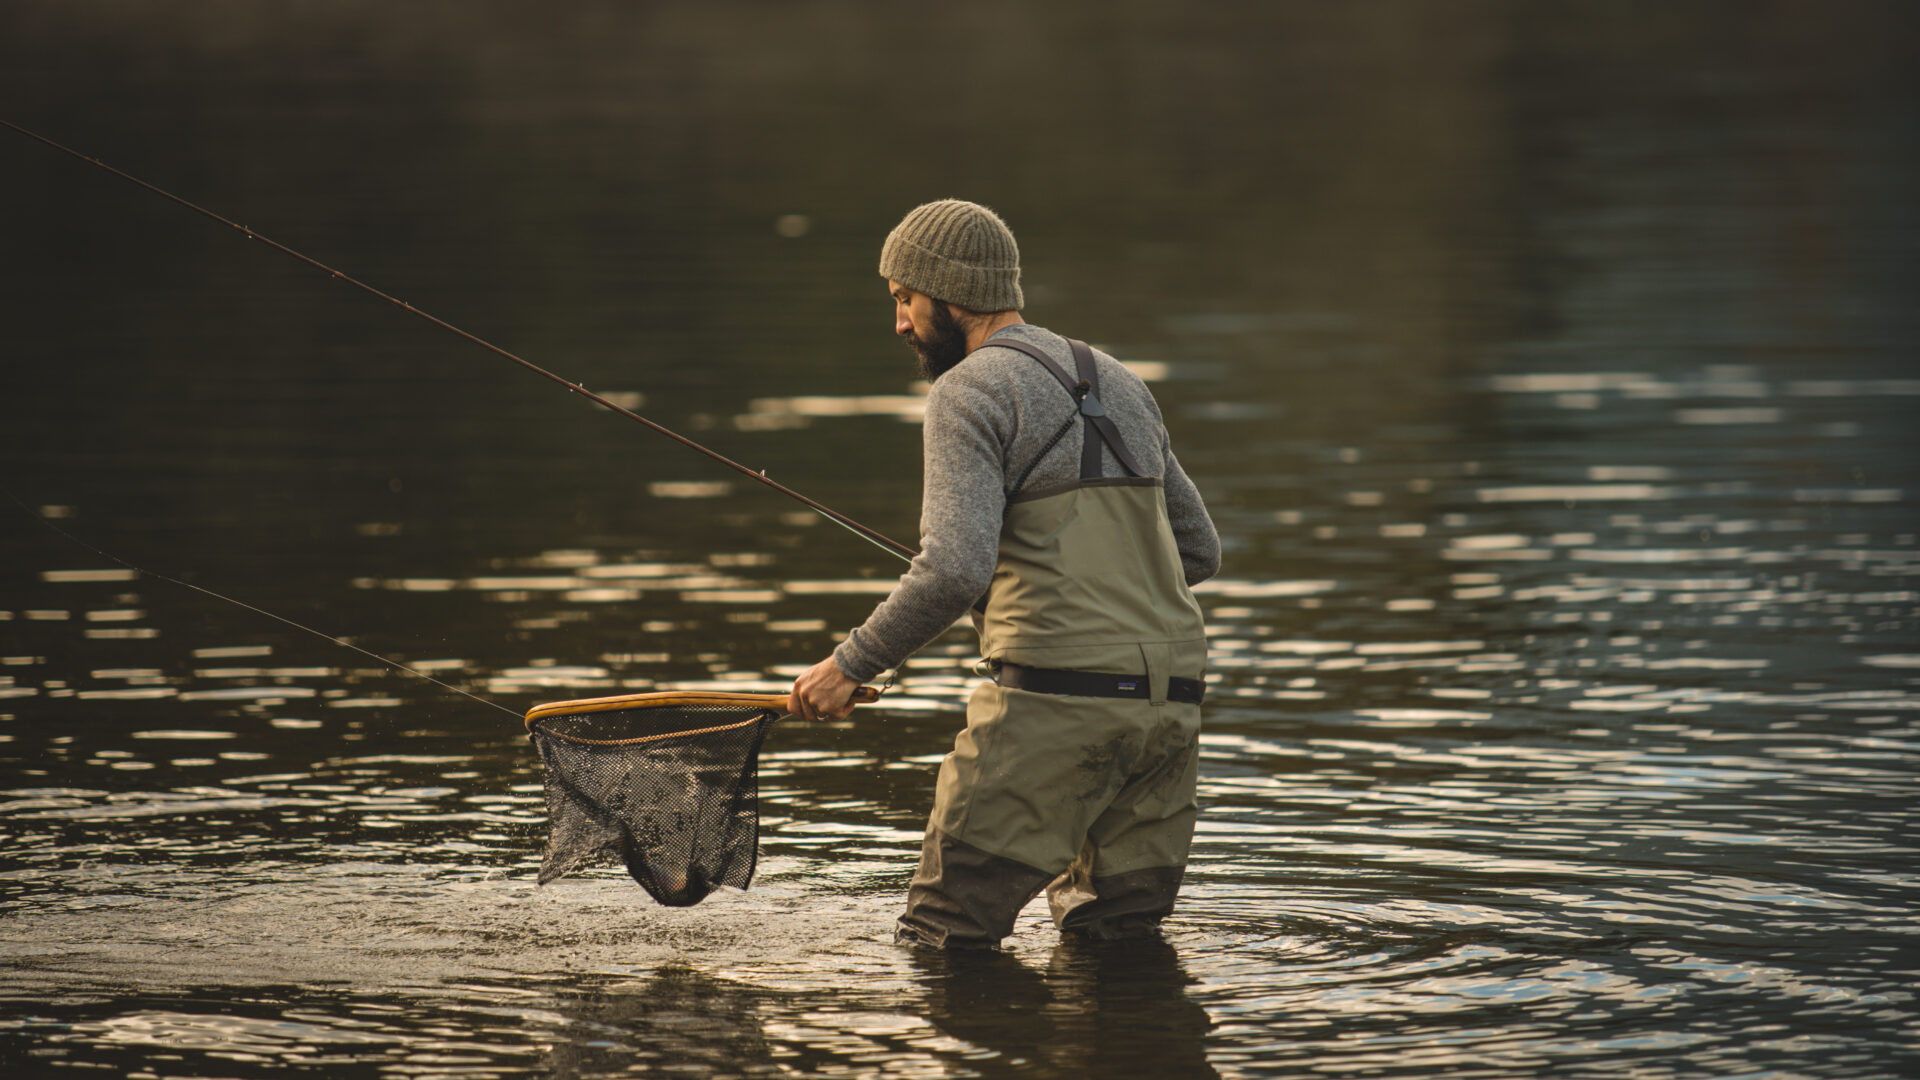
[{"x": 1549, "y": 369}]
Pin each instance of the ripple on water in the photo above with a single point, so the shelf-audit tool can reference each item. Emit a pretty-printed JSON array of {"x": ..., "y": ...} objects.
[{"x": 1561, "y": 703}]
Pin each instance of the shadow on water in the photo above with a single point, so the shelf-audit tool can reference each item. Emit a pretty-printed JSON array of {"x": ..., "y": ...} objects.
[
  {"x": 1092, "y": 1009},
  {"x": 1088, "y": 1012},
  {"x": 1095, "y": 1009},
  {"x": 679, "y": 1018}
]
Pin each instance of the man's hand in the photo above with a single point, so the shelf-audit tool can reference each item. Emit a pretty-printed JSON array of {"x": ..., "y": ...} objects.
[{"x": 823, "y": 693}]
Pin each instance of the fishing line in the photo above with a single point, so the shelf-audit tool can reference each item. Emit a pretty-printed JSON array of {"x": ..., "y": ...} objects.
[
  {"x": 394, "y": 664},
  {"x": 878, "y": 539}
]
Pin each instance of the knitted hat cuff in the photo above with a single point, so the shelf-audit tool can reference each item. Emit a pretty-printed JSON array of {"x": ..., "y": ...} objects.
[{"x": 958, "y": 252}]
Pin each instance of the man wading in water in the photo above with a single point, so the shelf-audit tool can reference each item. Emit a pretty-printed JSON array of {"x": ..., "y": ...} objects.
[{"x": 1050, "y": 491}]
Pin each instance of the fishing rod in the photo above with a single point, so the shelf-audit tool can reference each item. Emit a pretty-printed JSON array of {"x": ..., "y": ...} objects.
[
  {"x": 872, "y": 536},
  {"x": 864, "y": 694}
]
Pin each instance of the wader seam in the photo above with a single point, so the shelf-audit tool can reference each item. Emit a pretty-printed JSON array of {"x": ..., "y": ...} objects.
[{"x": 1105, "y": 481}]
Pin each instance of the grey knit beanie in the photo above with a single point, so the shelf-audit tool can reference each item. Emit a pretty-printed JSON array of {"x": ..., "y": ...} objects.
[{"x": 955, "y": 251}]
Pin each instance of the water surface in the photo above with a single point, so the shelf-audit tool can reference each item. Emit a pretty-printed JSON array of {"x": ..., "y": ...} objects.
[{"x": 1549, "y": 372}]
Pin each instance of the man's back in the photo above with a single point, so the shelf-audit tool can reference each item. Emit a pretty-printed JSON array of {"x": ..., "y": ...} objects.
[{"x": 988, "y": 421}]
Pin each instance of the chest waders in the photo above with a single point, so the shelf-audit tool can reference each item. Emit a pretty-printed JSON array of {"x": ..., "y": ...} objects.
[{"x": 1077, "y": 767}]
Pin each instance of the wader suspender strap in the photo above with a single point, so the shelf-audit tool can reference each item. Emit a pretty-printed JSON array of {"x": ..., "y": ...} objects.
[{"x": 1086, "y": 393}]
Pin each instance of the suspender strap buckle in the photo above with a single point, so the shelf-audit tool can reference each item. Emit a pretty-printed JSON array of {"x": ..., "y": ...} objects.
[{"x": 1086, "y": 395}]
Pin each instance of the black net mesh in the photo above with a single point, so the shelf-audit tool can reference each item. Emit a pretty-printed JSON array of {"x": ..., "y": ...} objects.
[{"x": 670, "y": 791}]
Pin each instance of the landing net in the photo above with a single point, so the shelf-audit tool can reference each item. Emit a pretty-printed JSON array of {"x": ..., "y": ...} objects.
[{"x": 665, "y": 783}]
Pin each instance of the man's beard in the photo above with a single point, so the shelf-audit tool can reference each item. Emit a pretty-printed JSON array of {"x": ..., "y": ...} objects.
[{"x": 945, "y": 347}]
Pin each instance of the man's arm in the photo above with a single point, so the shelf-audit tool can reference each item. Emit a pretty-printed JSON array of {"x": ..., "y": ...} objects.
[
  {"x": 960, "y": 512},
  {"x": 1193, "y": 529}
]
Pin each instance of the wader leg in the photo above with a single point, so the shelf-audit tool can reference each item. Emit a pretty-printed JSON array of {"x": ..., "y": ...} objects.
[
  {"x": 961, "y": 897},
  {"x": 1128, "y": 871},
  {"x": 1128, "y": 905}
]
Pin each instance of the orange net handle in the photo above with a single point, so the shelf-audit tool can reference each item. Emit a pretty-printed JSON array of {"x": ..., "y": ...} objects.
[{"x": 660, "y": 699}]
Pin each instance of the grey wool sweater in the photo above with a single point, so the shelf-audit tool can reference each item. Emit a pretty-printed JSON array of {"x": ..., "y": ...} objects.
[{"x": 987, "y": 419}]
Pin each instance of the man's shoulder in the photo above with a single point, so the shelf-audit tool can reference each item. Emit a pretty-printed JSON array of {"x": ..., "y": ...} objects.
[
  {"x": 1004, "y": 366},
  {"x": 995, "y": 369},
  {"x": 1002, "y": 342},
  {"x": 1000, "y": 365}
]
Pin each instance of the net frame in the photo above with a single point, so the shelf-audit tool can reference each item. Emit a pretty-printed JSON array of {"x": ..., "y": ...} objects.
[
  {"x": 679, "y": 727},
  {"x": 659, "y": 699},
  {"x": 666, "y": 699}
]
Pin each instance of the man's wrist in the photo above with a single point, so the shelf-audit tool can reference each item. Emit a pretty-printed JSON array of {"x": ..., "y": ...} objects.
[{"x": 853, "y": 662}]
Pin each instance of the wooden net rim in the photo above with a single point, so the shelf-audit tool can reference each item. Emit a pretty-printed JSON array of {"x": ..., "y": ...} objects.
[{"x": 663, "y": 699}]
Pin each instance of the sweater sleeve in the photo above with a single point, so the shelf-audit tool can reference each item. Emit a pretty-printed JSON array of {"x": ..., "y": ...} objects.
[
  {"x": 960, "y": 511},
  {"x": 1193, "y": 529}
]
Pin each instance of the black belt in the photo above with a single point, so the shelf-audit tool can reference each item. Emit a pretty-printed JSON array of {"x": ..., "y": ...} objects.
[{"x": 1092, "y": 683}]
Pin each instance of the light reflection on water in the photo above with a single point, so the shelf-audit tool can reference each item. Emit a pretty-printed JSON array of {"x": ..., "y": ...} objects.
[
  {"x": 1565, "y": 681},
  {"x": 1555, "y": 840}
]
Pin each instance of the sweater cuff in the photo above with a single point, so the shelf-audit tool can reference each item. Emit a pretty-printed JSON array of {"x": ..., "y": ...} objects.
[{"x": 854, "y": 662}]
